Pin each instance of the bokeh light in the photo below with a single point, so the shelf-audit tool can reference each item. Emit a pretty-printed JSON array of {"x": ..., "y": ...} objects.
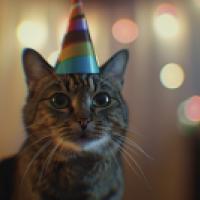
[
  {"x": 52, "y": 59},
  {"x": 183, "y": 118},
  {"x": 166, "y": 22},
  {"x": 172, "y": 76},
  {"x": 32, "y": 34},
  {"x": 189, "y": 113},
  {"x": 125, "y": 31},
  {"x": 166, "y": 25},
  {"x": 192, "y": 109},
  {"x": 166, "y": 8}
]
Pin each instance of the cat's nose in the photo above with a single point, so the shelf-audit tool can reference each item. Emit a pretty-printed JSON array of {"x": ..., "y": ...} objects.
[{"x": 83, "y": 123}]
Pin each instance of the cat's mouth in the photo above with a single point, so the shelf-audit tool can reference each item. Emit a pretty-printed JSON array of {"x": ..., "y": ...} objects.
[
  {"x": 87, "y": 142},
  {"x": 84, "y": 139}
]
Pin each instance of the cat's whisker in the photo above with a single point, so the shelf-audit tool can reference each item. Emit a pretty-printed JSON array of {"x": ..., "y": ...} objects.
[
  {"x": 42, "y": 138},
  {"x": 126, "y": 159},
  {"x": 138, "y": 167},
  {"x": 34, "y": 158},
  {"x": 134, "y": 161},
  {"x": 39, "y": 140},
  {"x": 125, "y": 151},
  {"x": 36, "y": 124},
  {"x": 48, "y": 161},
  {"x": 31, "y": 144},
  {"x": 138, "y": 148},
  {"x": 61, "y": 148},
  {"x": 126, "y": 129},
  {"x": 129, "y": 142},
  {"x": 131, "y": 133}
]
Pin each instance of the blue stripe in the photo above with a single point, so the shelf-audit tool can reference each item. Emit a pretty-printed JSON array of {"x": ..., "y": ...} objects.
[
  {"x": 78, "y": 65},
  {"x": 79, "y": 25}
]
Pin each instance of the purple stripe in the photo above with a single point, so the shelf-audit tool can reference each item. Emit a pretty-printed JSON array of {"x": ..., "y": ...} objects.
[{"x": 79, "y": 24}]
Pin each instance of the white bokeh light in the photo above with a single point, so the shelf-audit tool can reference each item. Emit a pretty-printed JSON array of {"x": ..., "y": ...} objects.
[
  {"x": 166, "y": 25},
  {"x": 172, "y": 76},
  {"x": 32, "y": 34}
]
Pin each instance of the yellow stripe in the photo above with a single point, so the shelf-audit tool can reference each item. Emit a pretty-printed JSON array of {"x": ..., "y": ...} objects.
[{"x": 79, "y": 49}]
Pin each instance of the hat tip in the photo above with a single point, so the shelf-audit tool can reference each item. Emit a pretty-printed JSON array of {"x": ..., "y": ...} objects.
[{"x": 75, "y": 1}]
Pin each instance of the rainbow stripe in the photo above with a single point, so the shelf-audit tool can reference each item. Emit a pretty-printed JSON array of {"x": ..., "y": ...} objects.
[
  {"x": 77, "y": 54},
  {"x": 79, "y": 49},
  {"x": 77, "y": 25},
  {"x": 85, "y": 65}
]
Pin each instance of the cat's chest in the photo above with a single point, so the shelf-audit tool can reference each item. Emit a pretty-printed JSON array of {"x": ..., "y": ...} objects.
[
  {"x": 65, "y": 183},
  {"x": 84, "y": 179}
]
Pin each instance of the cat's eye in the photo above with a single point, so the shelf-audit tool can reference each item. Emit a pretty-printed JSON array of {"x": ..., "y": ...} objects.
[
  {"x": 102, "y": 100},
  {"x": 60, "y": 101}
]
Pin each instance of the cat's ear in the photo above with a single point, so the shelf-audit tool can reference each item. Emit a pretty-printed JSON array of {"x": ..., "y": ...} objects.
[
  {"x": 35, "y": 67},
  {"x": 115, "y": 67}
]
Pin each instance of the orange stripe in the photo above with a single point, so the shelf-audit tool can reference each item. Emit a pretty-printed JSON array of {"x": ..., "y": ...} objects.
[{"x": 74, "y": 50}]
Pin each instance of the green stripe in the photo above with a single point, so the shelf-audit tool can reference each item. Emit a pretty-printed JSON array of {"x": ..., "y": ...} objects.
[{"x": 78, "y": 65}]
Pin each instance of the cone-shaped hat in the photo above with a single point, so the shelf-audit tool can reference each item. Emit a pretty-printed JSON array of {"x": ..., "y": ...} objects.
[{"x": 77, "y": 54}]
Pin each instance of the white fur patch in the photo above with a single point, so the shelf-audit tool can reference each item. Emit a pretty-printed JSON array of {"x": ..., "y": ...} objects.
[{"x": 96, "y": 145}]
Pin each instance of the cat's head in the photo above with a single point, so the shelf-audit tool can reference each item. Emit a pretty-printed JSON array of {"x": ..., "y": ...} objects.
[{"x": 78, "y": 112}]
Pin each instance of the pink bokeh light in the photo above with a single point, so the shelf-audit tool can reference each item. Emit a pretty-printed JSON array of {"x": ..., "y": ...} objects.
[
  {"x": 192, "y": 109},
  {"x": 166, "y": 8}
]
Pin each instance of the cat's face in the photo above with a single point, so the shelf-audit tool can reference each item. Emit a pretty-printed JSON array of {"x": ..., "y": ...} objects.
[{"x": 77, "y": 112}]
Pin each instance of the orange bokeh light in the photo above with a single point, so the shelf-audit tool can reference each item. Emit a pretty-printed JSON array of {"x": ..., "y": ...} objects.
[{"x": 125, "y": 31}]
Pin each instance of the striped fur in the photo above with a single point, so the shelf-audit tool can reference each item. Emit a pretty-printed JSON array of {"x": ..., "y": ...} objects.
[{"x": 52, "y": 164}]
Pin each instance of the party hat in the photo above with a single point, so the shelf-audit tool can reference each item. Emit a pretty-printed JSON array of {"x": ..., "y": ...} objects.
[{"x": 77, "y": 54}]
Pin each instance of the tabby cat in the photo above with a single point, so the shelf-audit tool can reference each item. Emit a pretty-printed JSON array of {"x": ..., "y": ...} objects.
[{"x": 74, "y": 124}]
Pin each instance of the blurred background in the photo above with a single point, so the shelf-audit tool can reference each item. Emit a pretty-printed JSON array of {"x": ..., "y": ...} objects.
[{"x": 162, "y": 84}]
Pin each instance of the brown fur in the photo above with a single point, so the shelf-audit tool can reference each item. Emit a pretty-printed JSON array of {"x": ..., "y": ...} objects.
[{"x": 52, "y": 164}]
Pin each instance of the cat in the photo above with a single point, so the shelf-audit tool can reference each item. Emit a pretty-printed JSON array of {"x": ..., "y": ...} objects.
[{"x": 75, "y": 125}]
